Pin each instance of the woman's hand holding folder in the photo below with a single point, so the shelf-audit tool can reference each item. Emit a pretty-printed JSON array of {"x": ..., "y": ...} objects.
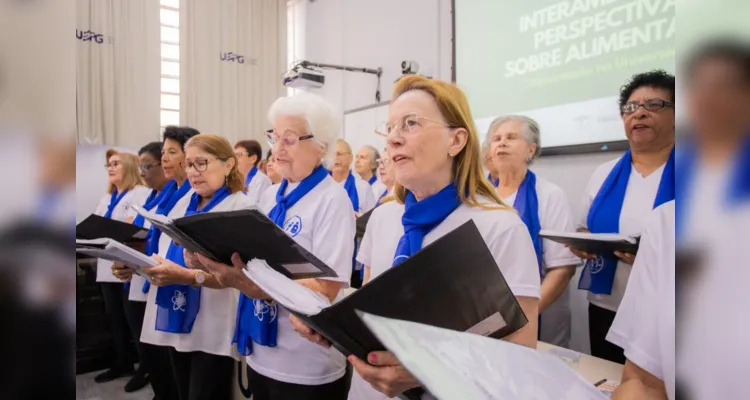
[
  {"x": 168, "y": 273},
  {"x": 307, "y": 332},
  {"x": 384, "y": 372},
  {"x": 122, "y": 272}
]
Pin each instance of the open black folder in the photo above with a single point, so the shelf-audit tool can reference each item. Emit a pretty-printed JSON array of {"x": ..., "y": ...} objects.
[
  {"x": 603, "y": 244},
  {"x": 96, "y": 227},
  {"x": 453, "y": 283},
  {"x": 248, "y": 232}
]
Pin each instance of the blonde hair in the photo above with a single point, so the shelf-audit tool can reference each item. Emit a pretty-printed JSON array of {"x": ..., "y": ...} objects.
[
  {"x": 220, "y": 148},
  {"x": 468, "y": 174},
  {"x": 131, "y": 174}
]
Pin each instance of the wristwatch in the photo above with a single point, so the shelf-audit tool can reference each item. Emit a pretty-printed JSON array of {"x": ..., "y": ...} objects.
[{"x": 199, "y": 278}]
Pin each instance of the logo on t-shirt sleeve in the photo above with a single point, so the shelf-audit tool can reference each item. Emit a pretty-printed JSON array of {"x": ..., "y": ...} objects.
[{"x": 293, "y": 226}]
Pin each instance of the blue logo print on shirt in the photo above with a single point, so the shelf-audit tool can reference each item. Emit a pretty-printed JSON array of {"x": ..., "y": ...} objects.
[{"x": 293, "y": 226}]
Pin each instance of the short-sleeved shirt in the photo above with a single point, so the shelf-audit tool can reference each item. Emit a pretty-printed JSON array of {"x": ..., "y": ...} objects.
[
  {"x": 322, "y": 222},
  {"x": 644, "y": 326},
  {"x": 636, "y": 207},
  {"x": 257, "y": 186},
  {"x": 554, "y": 214},
  {"x": 122, "y": 212},
  {"x": 214, "y": 326},
  {"x": 503, "y": 231}
]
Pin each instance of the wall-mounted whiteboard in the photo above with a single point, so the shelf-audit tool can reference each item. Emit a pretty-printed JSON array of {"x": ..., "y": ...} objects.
[{"x": 360, "y": 124}]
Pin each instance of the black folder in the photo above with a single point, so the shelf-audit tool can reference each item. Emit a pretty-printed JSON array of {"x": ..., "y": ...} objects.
[
  {"x": 96, "y": 227},
  {"x": 453, "y": 283},
  {"x": 250, "y": 233},
  {"x": 605, "y": 248},
  {"x": 362, "y": 223}
]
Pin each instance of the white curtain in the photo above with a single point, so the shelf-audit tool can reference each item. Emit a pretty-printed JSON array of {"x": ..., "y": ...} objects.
[
  {"x": 118, "y": 72},
  {"x": 232, "y": 56}
]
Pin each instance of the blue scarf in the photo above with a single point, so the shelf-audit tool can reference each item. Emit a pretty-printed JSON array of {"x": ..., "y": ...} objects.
[
  {"x": 604, "y": 217},
  {"x": 421, "y": 217},
  {"x": 114, "y": 200},
  {"x": 250, "y": 176},
  {"x": 527, "y": 205},
  {"x": 350, "y": 185},
  {"x": 739, "y": 180},
  {"x": 178, "y": 305},
  {"x": 494, "y": 182},
  {"x": 373, "y": 180},
  {"x": 171, "y": 196},
  {"x": 153, "y": 200},
  {"x": 257, "y": 319}
]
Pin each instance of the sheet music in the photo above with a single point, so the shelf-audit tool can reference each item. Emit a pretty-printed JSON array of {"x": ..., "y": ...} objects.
[
  {"x": 112, "y": 250},
  {"x": 285, "y": 291},
  {"x": 458, "y": 365}
]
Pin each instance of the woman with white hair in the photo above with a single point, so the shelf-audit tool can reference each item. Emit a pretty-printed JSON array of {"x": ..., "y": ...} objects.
[
  {"x": 359, "y": 191},
  {"x": 433, "y": 145},
  {"x": 317, "y": 213},
  {"x": 513, "y": 142},
  {"x": 366, "y": 165}
]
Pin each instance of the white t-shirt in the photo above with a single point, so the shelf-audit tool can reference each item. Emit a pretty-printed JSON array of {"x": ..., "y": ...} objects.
[
  {"x": 258, "y": 186},
  {"x": 364, "y": 192},
  {"x": 713, "y": 353},
  {"x": 645, "y": 323},
  {"x": 705, "y": 198},
  {"x": 136, "y": 282},
  {"x": 214, "y": 326},
  {"x": 326, "y": 229},
  {"x": 636, "y": 207},
  {"x": 554, "y": 214},
  {"x": 122, "y": 212},
  {"x": 502, "y": 230},
  {"x": 378, "y": 188}
]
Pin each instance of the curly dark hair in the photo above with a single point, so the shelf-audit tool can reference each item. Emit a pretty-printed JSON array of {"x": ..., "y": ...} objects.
[
  {"x": 179, "y": 134},
  {"x": 657, "y": 79},
  {"x": 725, "y": 49}
]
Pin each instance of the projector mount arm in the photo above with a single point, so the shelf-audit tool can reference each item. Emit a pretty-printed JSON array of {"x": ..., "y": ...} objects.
[{"x": 377, "y": 72}]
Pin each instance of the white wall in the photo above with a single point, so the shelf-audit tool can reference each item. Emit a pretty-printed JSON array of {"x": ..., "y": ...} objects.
[
  {"x": 385, "y": 32},
  {"x": 366, "y": 33}
]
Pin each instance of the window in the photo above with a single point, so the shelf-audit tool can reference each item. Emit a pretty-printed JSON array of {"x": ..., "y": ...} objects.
[
  {"x": 295, "y": 34},
  {"x": 169, "y": 18}
]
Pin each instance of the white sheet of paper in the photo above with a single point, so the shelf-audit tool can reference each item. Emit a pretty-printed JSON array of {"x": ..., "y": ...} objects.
[
  {"x": 285, "y": 291},
  {"x": 458, "y": 365},
  {"x": 117, "y": 252}
]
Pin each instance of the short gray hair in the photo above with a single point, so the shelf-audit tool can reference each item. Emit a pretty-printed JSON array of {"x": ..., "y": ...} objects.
[
  {"x": 531, "y": 131},
  {"x": 323, "y": 120},
  {"x": 375, "y": 157}
]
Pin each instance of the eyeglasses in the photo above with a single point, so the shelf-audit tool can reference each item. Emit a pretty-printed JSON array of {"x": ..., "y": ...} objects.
[
  {"x": 200, "y": 164},
  {"x": 288, "y": 138},
  {"x": 112, "y": 164},
  {"x": 240, "y": 154},
  {"x": 341, "y": 154},
  {"x": 648, "y": 105},
  {"x": 383, "y": 162},
  {"x": 147, "y": 167},
  {"x": 409, "y": 123}
]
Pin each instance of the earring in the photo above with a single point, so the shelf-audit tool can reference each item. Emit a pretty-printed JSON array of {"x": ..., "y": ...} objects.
[
  {"x": 528, "y": 159},
  {"x": 226, "y": 179}
]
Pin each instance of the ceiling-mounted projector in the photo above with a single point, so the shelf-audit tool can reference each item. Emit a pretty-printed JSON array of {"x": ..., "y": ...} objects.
[{"x": 304, "y": 78}]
